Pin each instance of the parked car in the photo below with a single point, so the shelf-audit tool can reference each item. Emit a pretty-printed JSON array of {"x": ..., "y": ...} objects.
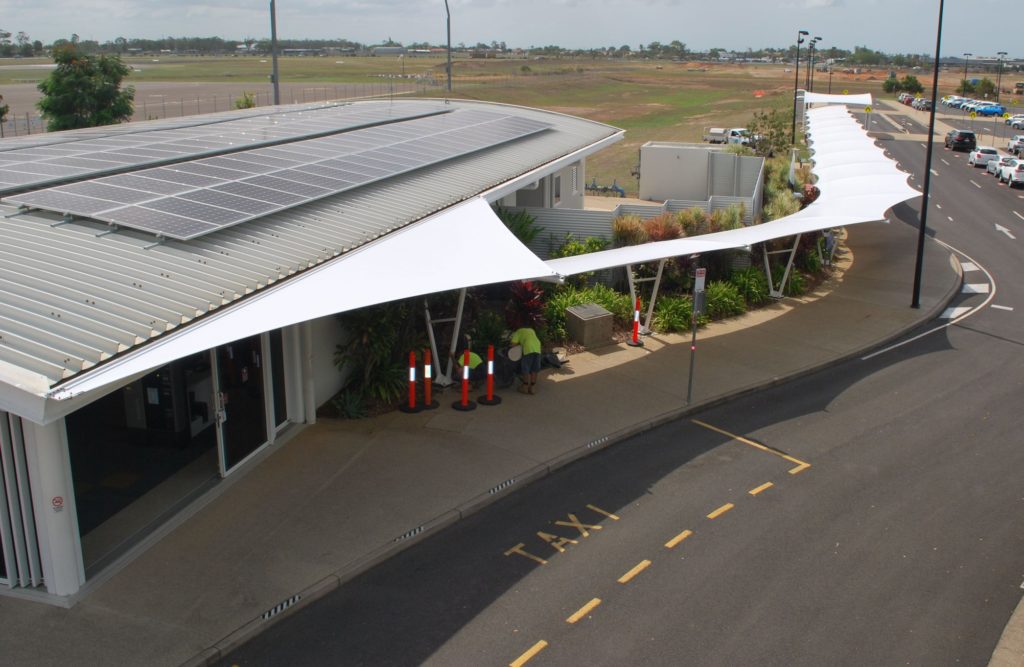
[
  {"x": 1016, "y": 145},
  {"x": 994, "y": 166},
  {"x": 991, "y": 110},
  {"x": 1017, "y": 123},
  {"x": 1012, "y": 174},
  {"x": 962, "y": 140},
  {"x": 1014, "y": 118},
  {"x": 982, "y": 155}
]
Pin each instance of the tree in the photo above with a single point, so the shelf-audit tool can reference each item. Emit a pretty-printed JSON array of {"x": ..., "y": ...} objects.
[
  {"x": 769, "y": 132},
  {"x": 966, "y": 87},
  {"x": 4, "y": 109},
  {"x": 891, "y": 85},
  {"x": 85, "y": 91},
  {"x": 910, "y": 84},
  {"x": 986, "y": 88}
]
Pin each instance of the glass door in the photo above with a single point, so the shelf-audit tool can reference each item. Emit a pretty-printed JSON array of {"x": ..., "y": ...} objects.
[{"x": 241, "y": 400}]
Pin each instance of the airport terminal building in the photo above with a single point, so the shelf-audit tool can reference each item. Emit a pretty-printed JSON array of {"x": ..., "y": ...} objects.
[{"x": 169, "y": 290}]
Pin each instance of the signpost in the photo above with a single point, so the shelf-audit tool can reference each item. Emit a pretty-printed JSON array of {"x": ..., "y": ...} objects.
[
  {"x": 867, "y": 112},
  {"x": 698, "y": 309}
]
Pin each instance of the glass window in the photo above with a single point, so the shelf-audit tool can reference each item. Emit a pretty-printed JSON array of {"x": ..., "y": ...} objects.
[{"x": 277, "y": 377}]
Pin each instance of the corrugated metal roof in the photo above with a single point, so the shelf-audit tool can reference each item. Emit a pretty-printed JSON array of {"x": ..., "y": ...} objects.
[{"x": 71, "y": 298}]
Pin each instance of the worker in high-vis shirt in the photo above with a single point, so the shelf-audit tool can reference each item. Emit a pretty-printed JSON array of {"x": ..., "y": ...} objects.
[
  {"x": 477, "y": 367},
  {"x": 530, "y": 363}
]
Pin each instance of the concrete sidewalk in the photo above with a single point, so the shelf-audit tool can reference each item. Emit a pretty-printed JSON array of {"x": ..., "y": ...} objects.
[{"x": 341, "y": 496}]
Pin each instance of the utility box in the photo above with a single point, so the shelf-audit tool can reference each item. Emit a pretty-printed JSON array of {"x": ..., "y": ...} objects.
[{"x": 589, "y": 324}]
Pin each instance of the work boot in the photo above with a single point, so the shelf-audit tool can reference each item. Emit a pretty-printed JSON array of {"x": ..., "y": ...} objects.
[{"x": 524, "y": 388}]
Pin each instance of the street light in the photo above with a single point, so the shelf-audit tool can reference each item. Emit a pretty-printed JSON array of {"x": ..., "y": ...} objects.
[
  {"x": 830, "y": 66},
  {"x": 810, "y": 62},
  {"x": 999, "y": 77},
  {"x": 915, "y": 301},
  {"x": 796, "y": 82},
  {"x": 273, "y": 53},
  {"x": 449, "y": 15},
  {"x": 967, "y": 59},
  {"x": 811, "y": 68}
]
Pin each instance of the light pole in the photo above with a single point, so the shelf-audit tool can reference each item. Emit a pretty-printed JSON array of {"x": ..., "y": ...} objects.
[
  {"x": 449, "y": 15},
  {"x": 273, "y": 53},
  {"x": 830, "y": 78},
  {"x": 915, "y": 301},
  {"x": 796, "y": 82},
  {"x": 967, "y": 59},
  {"x": 999, "y": 77},
  {"x": 810, "y": 62},
  {"x": 811, "y": 68}
]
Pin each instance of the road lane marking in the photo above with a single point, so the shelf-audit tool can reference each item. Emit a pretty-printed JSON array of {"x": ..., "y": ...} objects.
[
  {"x": 969, "y": 266},
  {"x": 934, "y": 173},
  {"x": 950, "y": 218},
  {"x": 583, "y": 611},
  {"x": 801, "y": 465},
  {"x": 975, "y": 288},
  {"x": 601, "y": 511},
  {"x": 975, "y": 184},
  {"x": 938, "y": 206},
  {"x": 637, "y": 569},
  {"x": 944, "y": 161},
  {"x": 532, "y": 651},
  {"x": 678, "y": 538},
  {"x": 1018, "y": 215},
  {"x": 518, "y": 549},
  {"x": 953, "y": 313},
  {"x": 1000, "y": 228},
  {"x": 1002, "y": 307},
  {"x": 721, "y": 510},
  {"x": 763, "y": 487}
]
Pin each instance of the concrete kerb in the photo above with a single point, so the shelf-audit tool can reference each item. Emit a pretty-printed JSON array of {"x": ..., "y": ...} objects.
[
  {"x": 1010, "y": 649},
  {"x": 382, "y": 553}
]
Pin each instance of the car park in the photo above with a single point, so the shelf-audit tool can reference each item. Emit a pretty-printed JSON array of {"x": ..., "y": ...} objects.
[
  {"x": 982, "y": 155},
  {"x": 962, "y": 140},
  {"x": 994, "y": 166},
  {"x": 1012, "y": 174}
]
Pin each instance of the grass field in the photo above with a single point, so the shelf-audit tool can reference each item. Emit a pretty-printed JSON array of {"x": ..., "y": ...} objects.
[{"x": 653, "y": 101}]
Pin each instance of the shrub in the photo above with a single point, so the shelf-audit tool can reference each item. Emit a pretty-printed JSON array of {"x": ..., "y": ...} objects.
[
  {"x": 723, "y": 300},
  {"x": 672, "y": 314},
  {"x": 526, "y": 306},
  {"x": 572, "y": 247},
  {"x": 566, "y": 297},
  {"x": 664, "y": 227},
  {"x": 520, "y": 223},
  {"x": 350, "y": 405},
  {"x": 628, "y": 230},
  {"x": 731, "y": 217},
  {"x": 781, "y": 205},
  {"x": 752, "y": 285},
  {"x": 488, "y": 329},
  {"x": 374, "y": 355},
  {"x": 694, "y": 221},
  {"x": 796, "y": 284}
]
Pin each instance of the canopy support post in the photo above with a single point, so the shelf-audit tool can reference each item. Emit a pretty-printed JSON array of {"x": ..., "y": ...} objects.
[
  {"x": 633, "y": 288},
  {"x": 773, "y": 291},
  {"x": 444, "y": 378}
]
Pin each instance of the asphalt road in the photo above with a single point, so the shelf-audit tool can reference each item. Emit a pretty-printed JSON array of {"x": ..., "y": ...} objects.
[{"x": 901, "y": 543}]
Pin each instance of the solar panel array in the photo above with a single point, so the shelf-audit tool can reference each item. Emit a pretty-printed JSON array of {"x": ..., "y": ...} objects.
[
  {"x": 191, "y": 199},
  {"x": 47, "y": 164}
]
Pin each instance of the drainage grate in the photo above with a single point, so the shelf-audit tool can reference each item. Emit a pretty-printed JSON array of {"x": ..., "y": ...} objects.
[
  {"x": 504, "y": 485},
  {"x": 595, "y": 443},
  {"x": 411, "y": 533},
  {"x": 271, "y": 613}
]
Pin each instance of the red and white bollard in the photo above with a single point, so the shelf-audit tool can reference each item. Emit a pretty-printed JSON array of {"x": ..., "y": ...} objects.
[
  {"x": 411, "y": 405},
  {"x": 465, "y": 404},
  {"x": 490, "y": 398},
  {"x": 635, "y": 340},
  {"x": 428, "y": 382}
]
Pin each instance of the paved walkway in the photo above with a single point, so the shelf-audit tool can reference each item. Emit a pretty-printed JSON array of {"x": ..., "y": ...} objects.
[{"x": 341, "y": 496}]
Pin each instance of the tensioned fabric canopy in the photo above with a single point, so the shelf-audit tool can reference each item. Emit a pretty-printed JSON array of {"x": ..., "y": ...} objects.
[
  {"x": 401, "y": 265},
  {"x": 858, "y": 184},
  {"x": 863, "y": 99}
]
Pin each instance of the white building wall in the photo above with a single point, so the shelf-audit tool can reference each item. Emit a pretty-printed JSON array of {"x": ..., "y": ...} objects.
[
  {"x": 669, "y": 171},
  {"x": 327, "y": 332}
]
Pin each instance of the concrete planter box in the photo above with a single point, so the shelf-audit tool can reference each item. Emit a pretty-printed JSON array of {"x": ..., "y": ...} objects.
[{"x": 589, "y": 324}]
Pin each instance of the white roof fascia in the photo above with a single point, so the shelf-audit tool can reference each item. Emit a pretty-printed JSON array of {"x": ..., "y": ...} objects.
[
  {"x": 861, "y": 192},
  {"x": 863, "y": 99},
  {"x": 505, "y": 189},
  {"x": 481, "y": 250}
]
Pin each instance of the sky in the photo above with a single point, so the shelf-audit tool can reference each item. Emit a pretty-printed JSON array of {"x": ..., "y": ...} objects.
[{"x": 892, "y": 26}]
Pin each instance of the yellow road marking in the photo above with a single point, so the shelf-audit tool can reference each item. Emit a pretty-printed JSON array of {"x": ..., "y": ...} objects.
[
  {"x": 678, "y": 538},
  {"x": 637, "y": 569},
  {"x": 601, "y": 511},
  {"x": 800, "y": 465},
  {"x": 763, "y": 487},
  {"x": 524, "y": 658},
  {"x": 584, "y": 610},
  {"x": 721, "y": 510}
]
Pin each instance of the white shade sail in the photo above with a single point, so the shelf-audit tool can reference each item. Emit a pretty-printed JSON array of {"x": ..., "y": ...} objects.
[
  {"x": 459, "y": 247},
  {"x": 858, "y": 183},
  {"x": 862, "y": 99}
]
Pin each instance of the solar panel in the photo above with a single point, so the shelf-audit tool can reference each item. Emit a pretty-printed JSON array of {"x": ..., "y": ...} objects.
[
  {"x": 195, "y": 198},
  {"x": 41, "y": 165}
]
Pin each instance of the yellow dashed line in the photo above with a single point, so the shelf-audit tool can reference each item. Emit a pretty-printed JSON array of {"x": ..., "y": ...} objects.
[
  {"x": 524, "y": 658},
  {"x": 763, "y": 487},
  {"x": 637, "y": 569},
  {"x": 678, "y": 538},
  {"x": 800, "y": 465},
  {"x": 721, "y": 510},
  {"x": 584, "y": 610}
]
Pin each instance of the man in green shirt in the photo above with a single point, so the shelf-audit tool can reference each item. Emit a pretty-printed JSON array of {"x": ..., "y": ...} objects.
[{"x": 530, "y": 363}]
